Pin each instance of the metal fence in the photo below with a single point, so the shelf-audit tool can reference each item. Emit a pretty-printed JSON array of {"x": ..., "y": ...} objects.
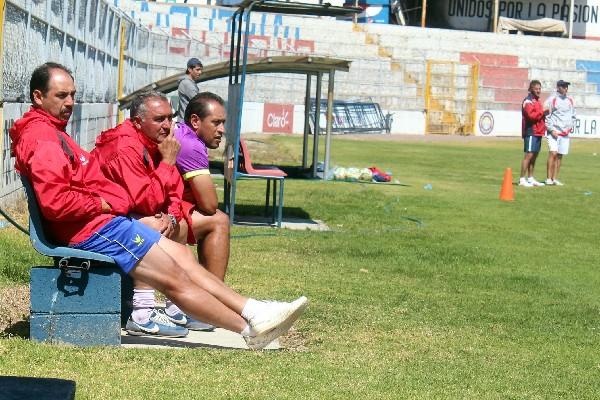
[
  {"x": 98, "y": 42},
  {"x": 351, "y": 117}
]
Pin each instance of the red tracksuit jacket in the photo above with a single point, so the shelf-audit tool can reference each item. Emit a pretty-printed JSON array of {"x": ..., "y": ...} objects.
[
  {"x": 533, "y": 117},
  {"x": 130, "y": 159},
  {"x": 68, "y": 188}
]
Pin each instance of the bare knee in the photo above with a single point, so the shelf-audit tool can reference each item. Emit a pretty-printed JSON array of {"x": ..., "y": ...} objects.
[{"x": 221, "y": 220}]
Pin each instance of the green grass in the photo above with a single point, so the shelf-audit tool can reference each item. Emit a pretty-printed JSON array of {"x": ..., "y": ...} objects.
[{"x": 485, "y": 299}]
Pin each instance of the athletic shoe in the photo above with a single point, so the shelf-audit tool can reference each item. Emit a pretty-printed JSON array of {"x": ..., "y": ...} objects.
[
  {"x": 549, "y": 182},
  {"x": 190, "y": 323},
  {"x": 158, "y": 325},
  {"x": 273, "y": 321},
  {"x": 532, "y": 180},
  {"x": 523, "y": 182},
  {"x": 558, "y": 183}
]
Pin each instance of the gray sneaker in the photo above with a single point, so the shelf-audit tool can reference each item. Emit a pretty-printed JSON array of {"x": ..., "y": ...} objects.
[
  {"x": 190, "y": 323},
  {"x": 157, "y": 325}
]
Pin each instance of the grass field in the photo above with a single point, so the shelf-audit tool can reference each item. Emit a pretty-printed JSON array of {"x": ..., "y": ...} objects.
[{"x": 482, "y": 299}]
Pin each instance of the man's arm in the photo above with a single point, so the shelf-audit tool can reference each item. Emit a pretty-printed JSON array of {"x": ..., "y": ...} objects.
[
  {"x": 50, "y": 175},
  {"x": 188, "y": 88},
  {"x": 531, "y": 112},
  {"x": 204, "y": 193},
  {"x": 148, "y": 190}
]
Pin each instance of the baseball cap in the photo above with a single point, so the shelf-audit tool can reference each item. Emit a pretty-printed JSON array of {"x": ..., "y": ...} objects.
[
  {"x": 192, "y": 62},
  {"x": 562, "y": 83}
]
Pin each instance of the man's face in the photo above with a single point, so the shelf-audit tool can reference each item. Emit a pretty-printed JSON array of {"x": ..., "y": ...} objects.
[
  {"x": 536, "y": 90},
  {"x": 156, "y": 121},
  {"x": 212, "y": 128},
  {"x": 195, "y": 72},
  {"x": 58, "y": 101},
  {"x": 562, "y": 90}
]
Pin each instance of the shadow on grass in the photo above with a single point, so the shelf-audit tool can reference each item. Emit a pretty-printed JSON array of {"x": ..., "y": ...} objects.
[{"x": 19, "y": 328}]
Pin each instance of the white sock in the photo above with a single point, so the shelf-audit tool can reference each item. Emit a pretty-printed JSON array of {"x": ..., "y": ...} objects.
[
  {"x": 171, "y": 308},
  {"x": 250, "y": 309},
  {"x": 143, "y": 304},
  {"x": 247, "y": 331}
]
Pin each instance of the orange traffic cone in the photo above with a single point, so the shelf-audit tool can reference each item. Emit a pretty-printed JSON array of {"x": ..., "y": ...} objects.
[{"x": 506, "y": 192}]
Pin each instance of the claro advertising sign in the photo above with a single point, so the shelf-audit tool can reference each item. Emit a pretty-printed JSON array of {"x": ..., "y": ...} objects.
[{"x": 278, "y": 118}]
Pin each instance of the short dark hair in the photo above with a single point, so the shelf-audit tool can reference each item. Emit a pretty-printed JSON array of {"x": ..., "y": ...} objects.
[
  {"x": 199, "y": 105},
  {"x": 41, "y": 76},
  {"x": 533, "y": 83},
  {"x": 138, "y": 104}
]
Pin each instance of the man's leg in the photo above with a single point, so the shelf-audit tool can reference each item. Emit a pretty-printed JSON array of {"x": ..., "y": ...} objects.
[
  {"x": 551, "y": 165},
  {"x": 203, "y": 297},
  {"x": 557, "y": 165},
  {"x": 173, "y": 312},
  {"x": 532, "y": 165},
  {"x": 212, "y": 233}
]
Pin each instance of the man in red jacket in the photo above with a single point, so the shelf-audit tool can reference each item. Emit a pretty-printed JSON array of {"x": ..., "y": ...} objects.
[
  {"x": 85, "y": 210},
  {"x": 139, "y": 155},
  {"x": 533, "y": 130}
]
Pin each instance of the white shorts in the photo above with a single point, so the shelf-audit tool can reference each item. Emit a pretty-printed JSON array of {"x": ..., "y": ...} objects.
[{"x": 559, "y": 145}]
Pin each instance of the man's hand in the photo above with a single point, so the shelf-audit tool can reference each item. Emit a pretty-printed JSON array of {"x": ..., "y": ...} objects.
[
  {"x": 169, "y": 147},
  {"x": 106, "y": 208},
  {"x": 166, "y": 228}
]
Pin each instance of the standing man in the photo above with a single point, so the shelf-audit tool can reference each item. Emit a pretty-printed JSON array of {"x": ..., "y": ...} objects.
[
  {"x": 533, "y": 129},
  {"x": 187, "y": 86},
  {"x": 84, "y": 210},
  {"x": 203, "y": 129},
  {"x": 559, "y": 123}
]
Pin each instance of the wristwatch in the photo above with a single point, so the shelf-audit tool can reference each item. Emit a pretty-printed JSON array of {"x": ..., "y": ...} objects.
[{"x": 173, "y": 220}]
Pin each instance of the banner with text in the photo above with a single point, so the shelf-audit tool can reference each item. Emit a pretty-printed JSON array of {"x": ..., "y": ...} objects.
[
  {"x": 508, "y": 123},
  {"x": 477, "y": 14},
  {"x": 278, "y": 118}
]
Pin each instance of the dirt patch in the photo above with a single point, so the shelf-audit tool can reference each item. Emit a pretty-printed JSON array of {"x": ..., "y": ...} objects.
[
  {"x": 14, "y": 308},
  {"x": 293, "y": 341}
]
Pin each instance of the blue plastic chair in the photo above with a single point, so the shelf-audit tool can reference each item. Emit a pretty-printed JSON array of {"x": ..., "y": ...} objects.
[{"x": 64, "y": 257}]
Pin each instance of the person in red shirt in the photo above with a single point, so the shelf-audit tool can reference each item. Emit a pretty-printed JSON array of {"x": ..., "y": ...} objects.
[
  {"x": 85, "y": 210},
  {"x": 533, "y": 130},
  {"x": 139, "y": 155}
]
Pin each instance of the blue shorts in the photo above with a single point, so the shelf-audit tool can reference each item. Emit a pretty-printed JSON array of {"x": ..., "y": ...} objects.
[
  {"x": 532, "y": 144},
  {"x": 123, "y": 239}
]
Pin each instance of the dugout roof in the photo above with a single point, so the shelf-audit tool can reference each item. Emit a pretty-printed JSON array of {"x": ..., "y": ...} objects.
[{"x": 278, "y": 64}]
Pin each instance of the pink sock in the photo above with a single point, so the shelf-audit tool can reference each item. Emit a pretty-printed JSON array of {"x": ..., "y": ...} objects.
[
  {"x": 143, "y": 304},
  {"x": 171, "y": 308}
]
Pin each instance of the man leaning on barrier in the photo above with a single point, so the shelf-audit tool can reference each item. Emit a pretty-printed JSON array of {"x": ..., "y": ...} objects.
[{"x": 84, "y": 210}]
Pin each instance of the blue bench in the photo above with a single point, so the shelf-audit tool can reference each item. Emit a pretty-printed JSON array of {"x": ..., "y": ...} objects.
[{"x": 79, "y": 299}]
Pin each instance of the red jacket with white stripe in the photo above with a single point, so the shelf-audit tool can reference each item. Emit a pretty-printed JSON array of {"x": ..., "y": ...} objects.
[
  {"x": 68, "y": 187},
  {"x": 131, "y": 160},
  {"x": 533, "y": 117}
]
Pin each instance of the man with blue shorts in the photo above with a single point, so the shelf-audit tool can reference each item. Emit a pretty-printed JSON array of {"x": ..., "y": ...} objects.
[
  {"x": 83, "y": 209},
  {"x": 533, "y": 129}
]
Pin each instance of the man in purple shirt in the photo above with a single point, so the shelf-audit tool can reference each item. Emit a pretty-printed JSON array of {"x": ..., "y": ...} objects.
[{"x": 203, "y": 128}]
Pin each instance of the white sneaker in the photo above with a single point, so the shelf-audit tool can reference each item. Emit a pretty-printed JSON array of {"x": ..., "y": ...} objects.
[
  {"x": 558, "y": 183},
  {"x": 533, "y": 182},
  {"x": 274, "y": 320},
  {"x": 549, "y": 182},
  {"x": 523, "y": 182}
]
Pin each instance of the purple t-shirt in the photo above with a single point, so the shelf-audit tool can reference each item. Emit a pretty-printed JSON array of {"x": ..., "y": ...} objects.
[{"x": 192, "y": 159}]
